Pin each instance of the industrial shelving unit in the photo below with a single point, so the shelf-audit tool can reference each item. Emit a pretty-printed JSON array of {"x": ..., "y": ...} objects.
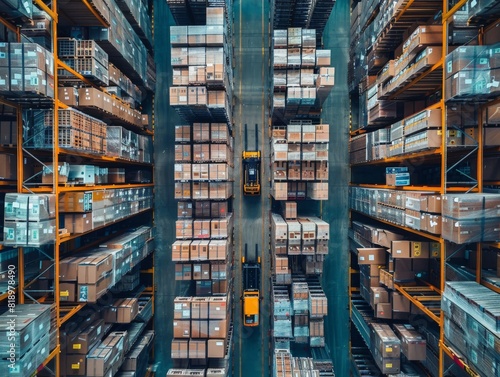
[
  {"x": 46, "y": 260},
  {"x": 458, "y": 165}
]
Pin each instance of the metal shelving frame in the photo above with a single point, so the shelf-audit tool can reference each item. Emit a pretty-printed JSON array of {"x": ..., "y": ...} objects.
[
  {"x": 425, "y": 297},
  {"x": 79, "y": 10}
]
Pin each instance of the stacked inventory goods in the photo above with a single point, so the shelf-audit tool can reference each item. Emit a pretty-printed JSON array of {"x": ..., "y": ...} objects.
[
  {"x": 26, "y": 69},
  {"x": 471, "y": 324},
  {"x": 25, "y": 338},
  {"x": 89, "y": 348},
  {"x": 29, "y": 219},
  {"x": 285, "y": 365},
  {"x": 282, "y": 314},
  {"x": 302, "y": 13},
  {"x": 299, "y": 156},
  {"x": 89, "y": 210},
  {"x": 202, "y": 252},
  {"x": 210, "y": 372},
  {"x": 85, "y": 57},
  {"x": 130, "y": 57},
  {"x": 114, "y": 105},
  {"x": 416, "y": 210},
  {"x": 302, "y": 79},
  {"x": 201, "y": 327},
  {"x": 470, "y": 71},
  {"x": 88, "y": 277},
  {"x": 202, "y": 77},
  {"x": 386, "y": 348},
  {"x": 192, "y": 12},
  {"x": 77, "y": 130},
  {"x": 471, "y": 217},
  {"x": 304, "y": 236}
]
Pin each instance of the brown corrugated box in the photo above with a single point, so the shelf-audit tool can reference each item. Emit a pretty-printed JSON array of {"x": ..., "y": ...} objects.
[
  {"x": 197, "y": 349},
  {"x": 199, "y": 307},
  {"x": 75, "y": 365},
  {"x": 92, "y": 292},
  {"x": 217, "y": 328},
  {"x": 68, "y": 268},
  {"x": 371, "y": 256},
  {"x": 184, "y": 209},
  {"x": 383, "y": 310},
  {"x": 400, "y": 249},
  {"x": 182, "y": 328},
  {"x": 413, "y": 344},
  {"x": 78, "y": 222},
  {"x": 182, "y": 308},
  {"x": 68, "y": 96},
  {"x": 216, "y": 348},
  {"x": 83, "y": 342},
  {"x": 93, "y": 268},
  {"x": 378, "y": 295},
  {"x": 218, "y": 308},
  {"x": 400, "y": 303},
  {"x": 180, "y": 349},
  {"x": 127, "y": 310},
  {"x": 199, "y": 329},
  {"x": 67, "y": 291}
]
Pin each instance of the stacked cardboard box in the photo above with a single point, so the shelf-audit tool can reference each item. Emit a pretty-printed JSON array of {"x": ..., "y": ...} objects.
[
  {"x": 201, "y": 74},
  {"x": 26, "y": 69},
  {"x": 299, "y": 155},
  {"x": 471, "y": 217},
  {"x": 305, "y": 236},
  {"x": 89, "y": 276},
  {"x": 386, "y": 348},
  {"x": 201, "y": 327},
  {"x": 130, "y": 57},
  {"x": 285, "y": 365},
  {"x": 472, "y": 324},
  {"x": 77, "y": 130},
  {"x": 84, "y": 211},
  {"x": 302, "y": 78},
  {"x": 416, "y": 210},
  {"x": 29, "y": 219},
  {"x": 470, "y": 71},
  {"x": 26, "y": 338}
]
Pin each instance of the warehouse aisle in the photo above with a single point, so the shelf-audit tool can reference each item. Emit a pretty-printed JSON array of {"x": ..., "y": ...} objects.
[
  {"x": 251, "y": 213},
  {"x": 335, "y": 211},
  {"x": 165, "y": 215}
]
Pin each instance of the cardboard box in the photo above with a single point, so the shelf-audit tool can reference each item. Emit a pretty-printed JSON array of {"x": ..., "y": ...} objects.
[
  {"x": 78, "y": 222},
  {"x": 86, "y": 339},
  {"x": 67, "y": 291},
  {"x": 378, "y": 295},
  {"x": 434, "y": 203},
  {"x": 182, "y": 328},
  {"x": 197, "y": 349},
  {"x": 400, "y": 303},
  {"x": 385, "y": 237},
  {"x": 92, "y": 292},
  {"x": 383, "y": 310},
  {"x": 127, "y": 310},
  {"x": 199, "y": 329},
  {"x": 434, "y": 223},
  {"x": 93, "y": 268},
  {"x": 400, "y": 249},
  {"x": 372, "y": 256},
  {"x": 75, "y": 365},
  {"x": 397, "y": 179},
  {"x": 216, "y": 348},
  {"x": 217, "y": 328},
  {"x": 413, "y": 344},
  {"x": 180, "y": 349},
  {"x": 403, "y": 270}
]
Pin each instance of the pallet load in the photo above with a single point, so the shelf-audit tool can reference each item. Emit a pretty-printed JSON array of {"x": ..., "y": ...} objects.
[
  {"x": 302, "y": 78},
  {"x": 202, "y": 77}
]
